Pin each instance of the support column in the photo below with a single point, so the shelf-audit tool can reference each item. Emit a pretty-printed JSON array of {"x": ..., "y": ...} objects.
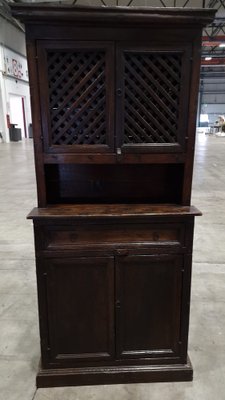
[
  {"x": 3, "y": 111},
  {"x": 3, "y": 123},
  {"x": 199, "y": 102}
]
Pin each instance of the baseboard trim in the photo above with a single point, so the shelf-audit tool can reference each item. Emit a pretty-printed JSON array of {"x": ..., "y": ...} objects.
[{"x": 114, "y": 375}]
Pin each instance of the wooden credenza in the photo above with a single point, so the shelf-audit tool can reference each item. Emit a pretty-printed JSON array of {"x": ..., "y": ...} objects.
[{"x": 114, "y": 97}]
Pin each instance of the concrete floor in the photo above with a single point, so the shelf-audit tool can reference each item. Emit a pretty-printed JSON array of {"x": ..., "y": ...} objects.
[{"x": 19, "y": 342}]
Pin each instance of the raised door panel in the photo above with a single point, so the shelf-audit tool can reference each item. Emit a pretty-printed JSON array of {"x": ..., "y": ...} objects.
[
  {"x": 149, "y": 306},
  {"x": 152, "y": 92},
  {"x": 76, "y": 95},
  {"x": 80, "y": 308}
]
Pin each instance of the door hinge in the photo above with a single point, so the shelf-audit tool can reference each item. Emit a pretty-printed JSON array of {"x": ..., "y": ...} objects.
[{"x": 118, "y": 304}]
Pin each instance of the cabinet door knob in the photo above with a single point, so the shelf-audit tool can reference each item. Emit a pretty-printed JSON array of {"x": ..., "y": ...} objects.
[
  {"x": 119, "y": 92},
  {"x": 122, "y": 252}
]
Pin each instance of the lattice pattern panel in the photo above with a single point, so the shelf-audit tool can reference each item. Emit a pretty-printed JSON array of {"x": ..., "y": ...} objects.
[
  {"x": 152, "y": 97},
  {"x": 77, "y": 96}
]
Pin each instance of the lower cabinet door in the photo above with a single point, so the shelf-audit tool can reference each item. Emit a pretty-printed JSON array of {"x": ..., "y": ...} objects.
[
  {"x": 148, "y": 305},
  {"x": 80, "y": 308}
]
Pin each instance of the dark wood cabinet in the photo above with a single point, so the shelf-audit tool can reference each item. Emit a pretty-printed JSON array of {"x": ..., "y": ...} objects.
[
  {"x": 114, "y": 96},
  {"x": 126, "y": 306},
  {"x": 114, "y": 292}
]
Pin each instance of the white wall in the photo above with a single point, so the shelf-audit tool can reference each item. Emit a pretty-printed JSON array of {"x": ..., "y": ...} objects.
[
  {"x": 12, "y": 37},
  {"x": 13, "y": 80},
  {"x": 3, "y": 127},
  {"x": 12, "y": 86}
]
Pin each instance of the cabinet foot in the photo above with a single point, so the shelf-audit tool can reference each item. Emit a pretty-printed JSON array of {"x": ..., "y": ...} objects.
[{"x": 114, "y": 375}]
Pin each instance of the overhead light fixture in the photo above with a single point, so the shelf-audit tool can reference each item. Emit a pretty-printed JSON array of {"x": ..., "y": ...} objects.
[
  {"x": 208, "y": 58},
  {"x": 222, "y": 45}
]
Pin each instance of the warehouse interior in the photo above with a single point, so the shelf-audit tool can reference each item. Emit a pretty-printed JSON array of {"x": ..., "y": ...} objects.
[{"x": 19, "y": 332}]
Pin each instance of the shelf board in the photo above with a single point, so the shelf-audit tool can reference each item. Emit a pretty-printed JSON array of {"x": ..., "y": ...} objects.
[{"x": 112, "y": 210}]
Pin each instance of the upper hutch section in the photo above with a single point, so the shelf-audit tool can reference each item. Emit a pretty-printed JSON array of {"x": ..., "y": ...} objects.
[
  {"x": 113, "y": 79},
  {"x": 114, "y": 96},
  {"x": 110, "y": 97}
]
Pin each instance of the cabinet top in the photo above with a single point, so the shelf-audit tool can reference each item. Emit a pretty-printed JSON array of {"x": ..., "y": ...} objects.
[{"x": 59, "y": 13}]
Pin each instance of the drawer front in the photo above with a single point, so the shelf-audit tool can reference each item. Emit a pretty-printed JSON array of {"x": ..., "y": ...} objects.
[{"x": 70, "y": 237}]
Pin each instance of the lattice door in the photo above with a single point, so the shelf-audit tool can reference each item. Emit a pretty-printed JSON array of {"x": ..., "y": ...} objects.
[
  {"x": 152, "y": 98},
  {"x": 77, "y": 98}
]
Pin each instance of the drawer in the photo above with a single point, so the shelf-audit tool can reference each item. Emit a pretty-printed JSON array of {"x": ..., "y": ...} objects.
[{"x": 69, "y": 236}]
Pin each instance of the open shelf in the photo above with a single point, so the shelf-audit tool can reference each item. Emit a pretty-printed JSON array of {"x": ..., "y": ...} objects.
[{"x": 76, "y": 183}]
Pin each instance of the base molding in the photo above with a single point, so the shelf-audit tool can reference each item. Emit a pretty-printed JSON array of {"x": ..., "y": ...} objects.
[{"x": 114, "y": 375}]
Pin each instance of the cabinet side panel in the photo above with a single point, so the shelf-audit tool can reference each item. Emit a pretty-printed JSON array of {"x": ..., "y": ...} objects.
[
  {"x": 193, "y": 100},
  {"x": 185, "y": 311},
  {"x": 36, "y": 121}
]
